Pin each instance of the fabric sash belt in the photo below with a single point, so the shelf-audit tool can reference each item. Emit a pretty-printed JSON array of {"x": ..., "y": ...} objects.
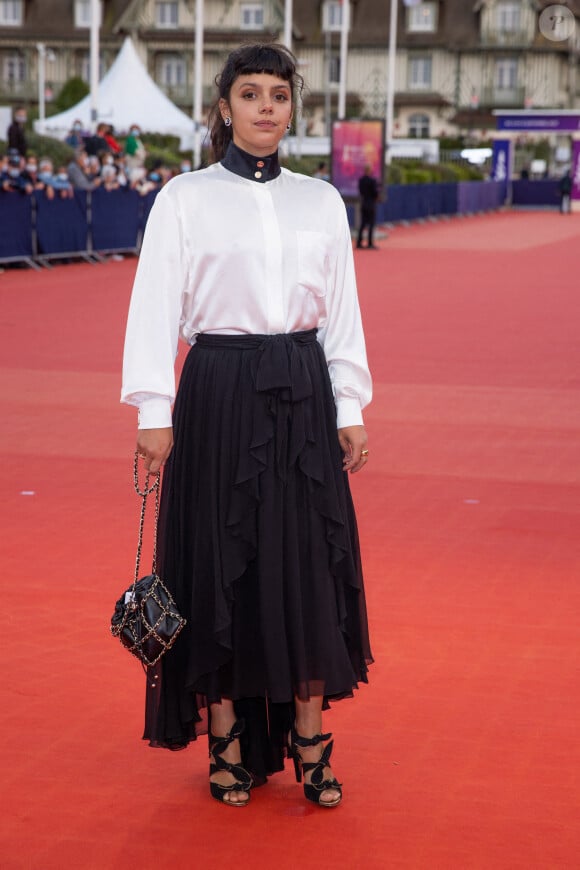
[{"x": 278, "y": 365}]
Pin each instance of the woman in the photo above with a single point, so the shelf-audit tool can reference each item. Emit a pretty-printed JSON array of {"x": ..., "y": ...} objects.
[{"x": 252, "y": 265}]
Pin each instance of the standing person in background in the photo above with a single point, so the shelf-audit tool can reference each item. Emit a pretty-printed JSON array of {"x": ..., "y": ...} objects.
[
  {"x": 322, "y": 171},
  {"x": 369, "y": 194},
  {"x": 252, "y": 266},
  {"x": 135, "y": 155},
  {"x": 565, "y": 189},
  {"x": 75, "y": 136},
  {"x": 16, "y": 135}
]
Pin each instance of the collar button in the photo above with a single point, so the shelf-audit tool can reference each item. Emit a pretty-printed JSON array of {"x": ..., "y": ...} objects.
[
  {"x": 257, "y": 174},
  {"x": 260, "y": 164}
]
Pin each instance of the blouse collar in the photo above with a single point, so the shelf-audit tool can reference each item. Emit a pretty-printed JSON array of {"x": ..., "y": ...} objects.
[{"x": 249, "y": 166}]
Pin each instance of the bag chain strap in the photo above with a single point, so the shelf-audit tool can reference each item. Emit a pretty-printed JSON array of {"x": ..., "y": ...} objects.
[{"x": 147, "y": 490}]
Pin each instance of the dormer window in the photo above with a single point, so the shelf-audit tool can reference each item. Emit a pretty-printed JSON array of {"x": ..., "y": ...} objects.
[
  {"x": 167, "y": 15},
  {"x": 508, "y": 17},
  {"x": 83, "y": 13},
  {"x": 11, "y": 13},
  {"x": 252, "y": 16},
  {"x": 422, "y": 18}
]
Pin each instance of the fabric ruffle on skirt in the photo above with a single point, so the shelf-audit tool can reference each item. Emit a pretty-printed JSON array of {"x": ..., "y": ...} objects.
[{"x": 258, "y": 543}]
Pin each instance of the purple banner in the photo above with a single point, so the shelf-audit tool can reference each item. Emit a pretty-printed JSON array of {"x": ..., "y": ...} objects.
[
  {"x": 501, "y": 160},
  {"x": 549, "y": 123},
  {"x": 575, "y": 170}
]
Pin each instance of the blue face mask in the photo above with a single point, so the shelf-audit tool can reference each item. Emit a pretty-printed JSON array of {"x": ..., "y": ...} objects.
[
  {"x": 62, "y": 176},
  {"x": 13, "y": 172},
  {"x": 186, "y": 167},
  {"x": 45, "y": 176},
  {"x": 154, "y": 176}
]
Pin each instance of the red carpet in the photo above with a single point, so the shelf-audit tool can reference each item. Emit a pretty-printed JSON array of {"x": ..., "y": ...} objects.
[{"x": 463, "y": 752}]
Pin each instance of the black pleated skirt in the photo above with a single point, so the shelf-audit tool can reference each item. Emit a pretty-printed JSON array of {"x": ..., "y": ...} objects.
[{"x": 258, "y": 543}]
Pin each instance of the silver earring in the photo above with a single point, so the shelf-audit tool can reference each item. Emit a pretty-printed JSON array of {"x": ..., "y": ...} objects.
[
  {"x": 228, "y": 121},
  {"x": 288, "y": 126}
]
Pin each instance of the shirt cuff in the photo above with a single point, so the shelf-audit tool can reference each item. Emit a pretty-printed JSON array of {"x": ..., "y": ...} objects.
[
  {"x": 348, "y": 413},
  {"x": 155, "y": 414}
]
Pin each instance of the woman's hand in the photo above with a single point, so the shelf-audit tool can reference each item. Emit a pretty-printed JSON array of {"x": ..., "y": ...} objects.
[
  {"x": 154, "y": 446},
  {"x": 353, "y": 440}
]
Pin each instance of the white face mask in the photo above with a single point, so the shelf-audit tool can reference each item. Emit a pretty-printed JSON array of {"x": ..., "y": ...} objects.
[
  {"x": 13, "y": 172},
  {"x": 62, "y": 176},
  {"x": 20, "y": 119},
  {"x": 31, "y": 167},
  {"x": 107, "y": 161}
]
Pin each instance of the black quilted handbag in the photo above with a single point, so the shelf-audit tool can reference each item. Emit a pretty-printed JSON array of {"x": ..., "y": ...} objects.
[{"x": 146, "y": 619}]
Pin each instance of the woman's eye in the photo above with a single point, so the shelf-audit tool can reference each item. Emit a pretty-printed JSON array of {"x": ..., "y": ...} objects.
[
  {"x": 249, "y": 95},
  {"x": 281, "y": 98}
]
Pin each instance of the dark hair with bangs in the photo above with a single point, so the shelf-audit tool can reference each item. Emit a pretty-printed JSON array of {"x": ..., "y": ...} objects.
[{"x": 273, "y": 59}]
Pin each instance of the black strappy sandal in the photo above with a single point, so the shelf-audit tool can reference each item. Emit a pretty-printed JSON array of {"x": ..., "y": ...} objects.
[
  {"x": 244, "y": 781},
  {"x": 317, "y": 785}
]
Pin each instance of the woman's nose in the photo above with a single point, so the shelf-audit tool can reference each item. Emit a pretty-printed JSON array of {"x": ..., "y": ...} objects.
[{"x": 266, "y": 105}]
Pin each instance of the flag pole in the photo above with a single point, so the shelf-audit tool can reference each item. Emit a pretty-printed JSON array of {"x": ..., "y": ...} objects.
[
  {"x": 288, "y": 24},
  {"x": 345, "y": 24},
  {"x": 94, "y": 60},
  {"x": 198, "y": 83},
  {"x": 391, "y": 77}
]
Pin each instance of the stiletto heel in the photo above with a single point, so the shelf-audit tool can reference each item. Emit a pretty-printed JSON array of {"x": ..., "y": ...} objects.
[
  {"x": 314, "y": 789},
  {"x": 244, "y": 781}
]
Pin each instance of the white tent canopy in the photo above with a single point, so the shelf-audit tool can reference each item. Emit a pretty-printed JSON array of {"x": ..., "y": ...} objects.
[{"x": 127, "y": 95}]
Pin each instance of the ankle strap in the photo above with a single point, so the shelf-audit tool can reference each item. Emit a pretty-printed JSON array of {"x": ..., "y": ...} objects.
[
  {"x": 309, "y": 741},
  {"x": 218, "y": 745}
]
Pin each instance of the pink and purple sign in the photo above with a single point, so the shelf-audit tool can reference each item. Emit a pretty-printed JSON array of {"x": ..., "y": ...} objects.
[{"x": 356, "y": 145}]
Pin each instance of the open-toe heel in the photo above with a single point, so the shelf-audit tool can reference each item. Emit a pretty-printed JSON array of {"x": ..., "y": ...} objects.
[
  {"x": 243, "y": 780},
  {"x": 314, "y": 789}
]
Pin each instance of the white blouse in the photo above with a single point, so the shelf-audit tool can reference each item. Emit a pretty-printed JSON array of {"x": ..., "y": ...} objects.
[{"x": 225, "y": 254}]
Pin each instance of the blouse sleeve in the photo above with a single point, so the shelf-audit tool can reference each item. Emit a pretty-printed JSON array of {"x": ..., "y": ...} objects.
[
  {"x": 154, "y": 317},
  {"x": 342, "y": 336}
]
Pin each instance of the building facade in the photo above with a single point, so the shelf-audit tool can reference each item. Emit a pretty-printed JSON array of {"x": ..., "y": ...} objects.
[{"x": 457, "y": 60}]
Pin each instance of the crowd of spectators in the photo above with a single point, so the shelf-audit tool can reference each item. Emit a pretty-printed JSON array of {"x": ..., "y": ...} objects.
[{"x": 100, "y": 161}]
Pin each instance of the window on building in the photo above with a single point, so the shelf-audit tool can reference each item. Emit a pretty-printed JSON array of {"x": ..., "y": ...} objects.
[
  {"x": 506, "y": 74},
  {"x": 83, "y": 13},
  {"x": 420, "y": 73},
  {"x": 419, "y": 125},
  {"x": 171, "y": 71},
  {"x": 332, "y": 16},
  {"x": 85, "y": 67},
  {"x": 14, "y": 68},
  {"x": 167, "y": 15},
  {"x": 422, "y": 18},
  {"x": 508, "y": 17},
  {"x": 11, "y": 13},
  {"x": 252, "y": 16},
  {"x": 334, "y": 69}
]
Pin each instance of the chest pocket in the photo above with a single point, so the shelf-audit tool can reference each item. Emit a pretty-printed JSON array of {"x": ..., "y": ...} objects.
[{"x": 313, "y": 260}]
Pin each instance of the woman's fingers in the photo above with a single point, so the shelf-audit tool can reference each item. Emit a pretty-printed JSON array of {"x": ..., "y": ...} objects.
[
  {"x": 154, "y": 447},
  {"x": 353, "y": 440}
]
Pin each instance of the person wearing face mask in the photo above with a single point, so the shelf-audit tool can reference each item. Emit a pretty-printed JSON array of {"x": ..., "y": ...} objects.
[
  {"x": 79, "y": 173},
  {"x": 32, "y": 176},
  {"x": 61, "y": 184},
  {"x": 185, "y": 166},
  {"x": 16, "y": 136},
  {"x": 75, "y": 137},
  {"x": 108, "y": 173},
  {"x": 12, "y": 179},
  {"x": 135, "y": 154}
]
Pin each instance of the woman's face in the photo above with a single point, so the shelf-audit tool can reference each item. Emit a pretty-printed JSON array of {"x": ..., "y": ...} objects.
[{"x": 260, "y": 107}]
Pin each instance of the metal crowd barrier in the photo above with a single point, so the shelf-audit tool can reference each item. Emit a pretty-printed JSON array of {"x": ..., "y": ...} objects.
[{"x": 36, "y": 230}]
